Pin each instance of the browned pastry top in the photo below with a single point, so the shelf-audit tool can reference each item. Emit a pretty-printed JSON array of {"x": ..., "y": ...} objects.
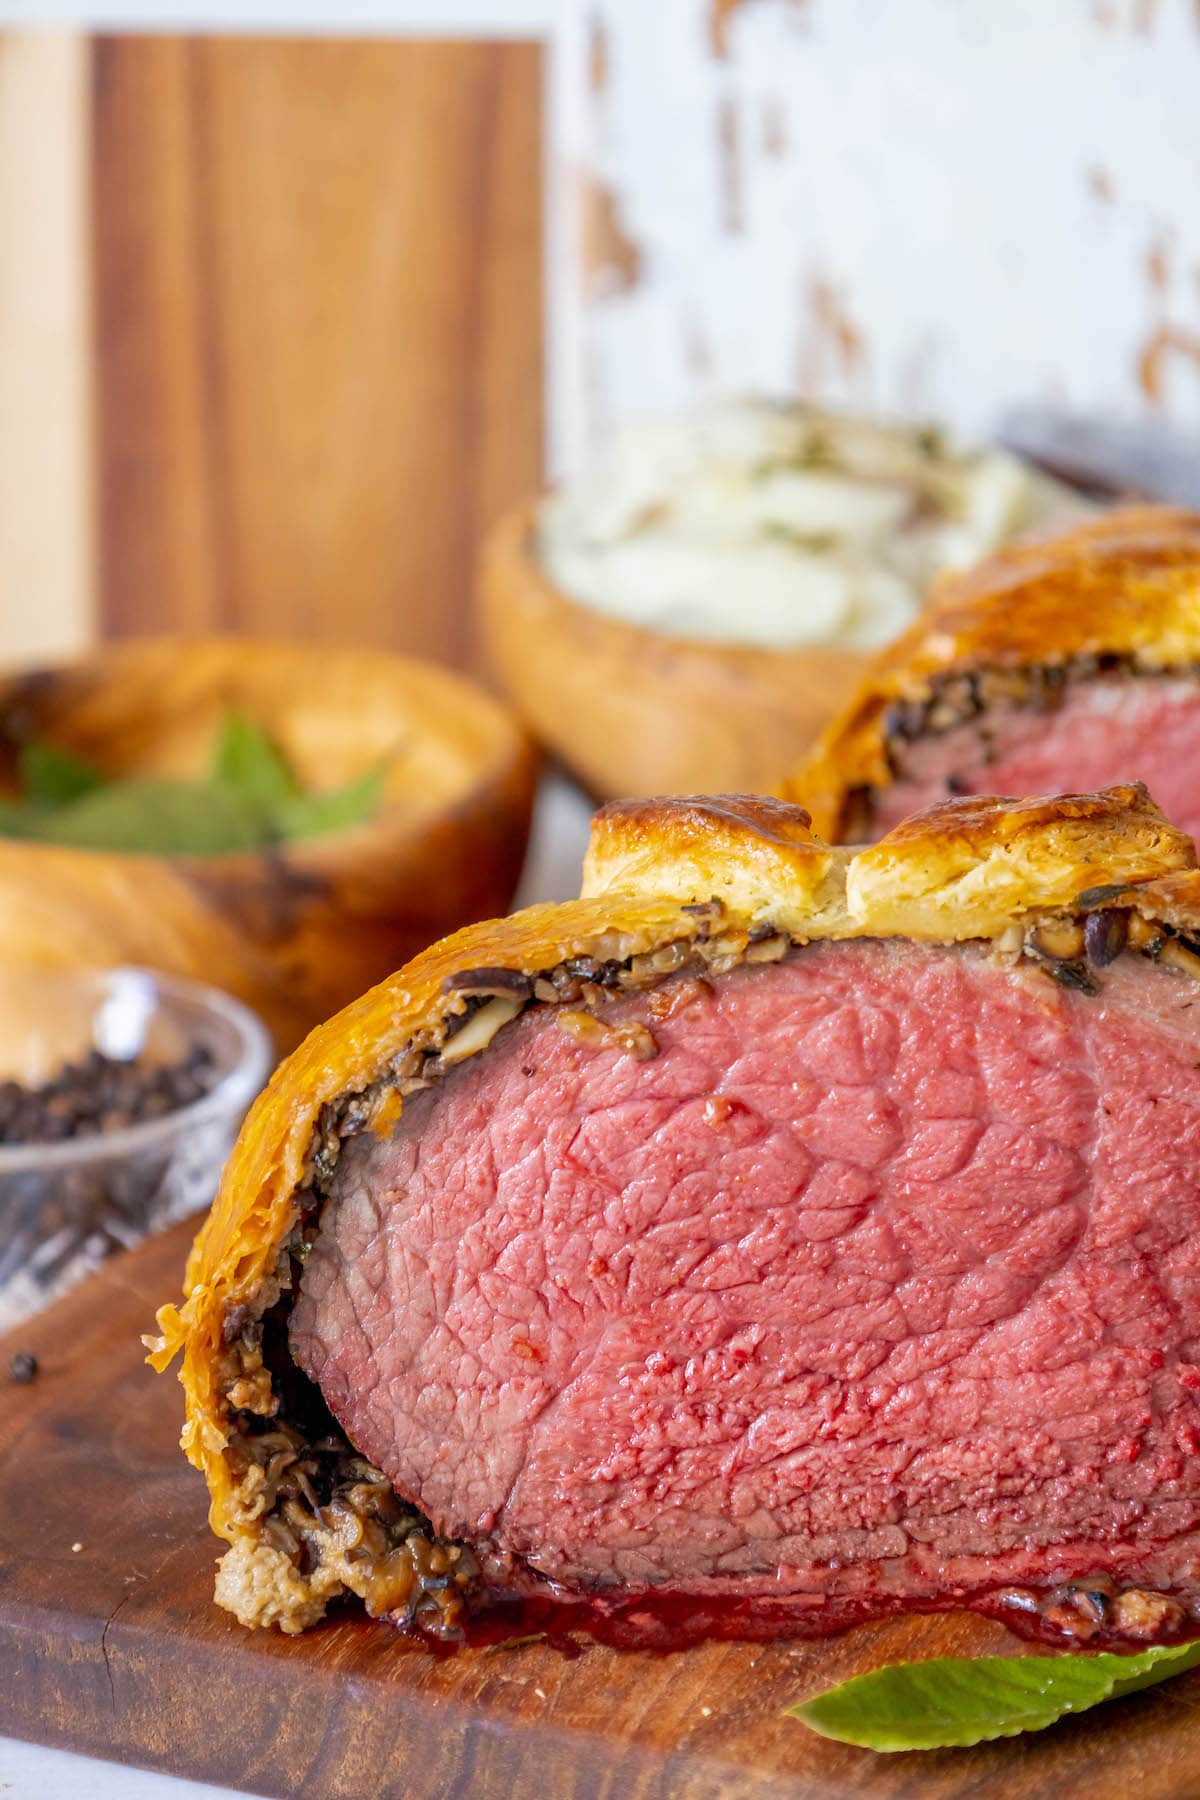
[{"x": 1125, "y": 585}]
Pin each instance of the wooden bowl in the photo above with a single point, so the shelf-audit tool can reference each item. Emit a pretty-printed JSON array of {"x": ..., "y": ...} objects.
[
  {"x": 635, "y": 711},
  {"x": 295, "y": 930}
]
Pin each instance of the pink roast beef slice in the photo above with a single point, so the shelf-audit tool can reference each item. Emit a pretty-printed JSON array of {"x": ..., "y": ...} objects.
[
  {"x": 1114, "y": 728},
  {"x": 880, "y": 1280}
]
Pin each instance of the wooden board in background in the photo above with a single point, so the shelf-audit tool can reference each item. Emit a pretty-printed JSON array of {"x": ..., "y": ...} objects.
[
  {"x": 116, "y": 1648},
  {"x": 317, "y": 277}
]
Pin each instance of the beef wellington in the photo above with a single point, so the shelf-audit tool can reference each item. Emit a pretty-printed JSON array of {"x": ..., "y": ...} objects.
[{"x": 774, "y": 1237}]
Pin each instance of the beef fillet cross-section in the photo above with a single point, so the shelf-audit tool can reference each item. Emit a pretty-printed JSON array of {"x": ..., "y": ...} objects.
[
  {"x": 1063, "y": 664},
  {"x": 776, "y": 1236}
]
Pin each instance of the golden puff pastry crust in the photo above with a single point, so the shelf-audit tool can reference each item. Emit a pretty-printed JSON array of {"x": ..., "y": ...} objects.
[
  {"x": 734, "y": 876},
  {"x": 1124, "y": 585}
]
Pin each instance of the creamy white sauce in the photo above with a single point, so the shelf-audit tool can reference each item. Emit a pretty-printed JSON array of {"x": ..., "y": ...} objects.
[{"x": 757, "y": 523}]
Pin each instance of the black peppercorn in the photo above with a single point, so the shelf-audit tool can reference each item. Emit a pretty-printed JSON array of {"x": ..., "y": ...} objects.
[{"x": 100, "y": 1094}]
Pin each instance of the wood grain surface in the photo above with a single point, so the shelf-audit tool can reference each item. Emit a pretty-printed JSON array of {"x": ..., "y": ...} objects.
[
  {"x": 109, "y": 1643},
  {"x": 317, "y": 278}
]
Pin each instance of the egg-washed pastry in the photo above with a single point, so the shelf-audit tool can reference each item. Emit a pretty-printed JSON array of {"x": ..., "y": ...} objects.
[
  {"x": 1062, "y": 664},
  {"x": 773, "y": 1237}
]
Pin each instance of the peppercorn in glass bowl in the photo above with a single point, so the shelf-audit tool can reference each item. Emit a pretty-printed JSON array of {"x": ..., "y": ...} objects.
[{"x": 121, "y": 1092}]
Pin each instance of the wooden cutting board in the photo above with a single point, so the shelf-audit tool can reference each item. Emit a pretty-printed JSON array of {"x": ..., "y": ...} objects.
[{"x": 109, "y": 1643}]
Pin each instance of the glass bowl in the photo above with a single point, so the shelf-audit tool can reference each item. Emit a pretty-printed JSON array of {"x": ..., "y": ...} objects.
[{"x": 65, "y": 1206}]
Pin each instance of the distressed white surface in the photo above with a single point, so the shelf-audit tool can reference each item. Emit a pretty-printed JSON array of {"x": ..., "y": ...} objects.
[
  {"x": 29, "y": 1772},
  {"x": 983, "y": 192}
]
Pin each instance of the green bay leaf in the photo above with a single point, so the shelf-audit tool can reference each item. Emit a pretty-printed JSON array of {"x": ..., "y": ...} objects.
[
  {"x": 960, "y": 1701},
  {"x": 15, "y": 819},
  {"x": 251, "y": 764},
  {"x": 157, "y": 816},
  {"x": 250, "y": 800},
  {"x": 310, "y": 815},
  {"x": 51, "y": 776}
]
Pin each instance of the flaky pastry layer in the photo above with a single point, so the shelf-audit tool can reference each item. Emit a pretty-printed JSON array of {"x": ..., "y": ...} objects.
[{"x": 1123, "y": 586}]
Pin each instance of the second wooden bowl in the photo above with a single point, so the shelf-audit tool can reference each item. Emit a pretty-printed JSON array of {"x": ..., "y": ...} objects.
[{"x": 635, "y": 711}]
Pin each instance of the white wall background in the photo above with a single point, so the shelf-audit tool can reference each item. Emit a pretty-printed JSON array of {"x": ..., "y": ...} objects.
[{"x": 941, "y": 205}]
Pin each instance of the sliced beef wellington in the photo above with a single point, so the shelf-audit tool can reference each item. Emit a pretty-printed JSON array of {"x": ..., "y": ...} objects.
[
  {"x": 775, "y": 1236},
  {"x": 1055, "y": 666}
]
